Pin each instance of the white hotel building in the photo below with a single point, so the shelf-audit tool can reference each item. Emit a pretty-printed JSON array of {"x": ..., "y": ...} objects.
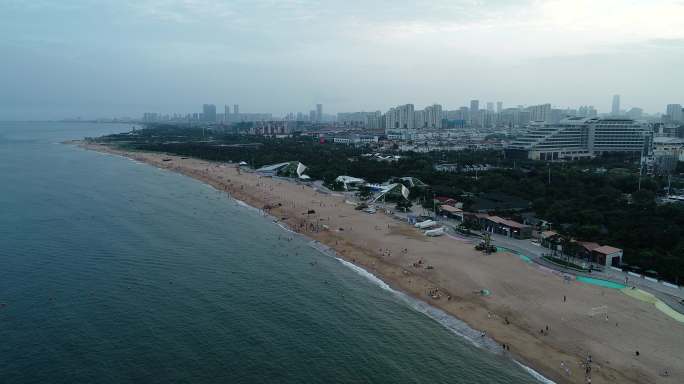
[{"x": 580, "y": 137}]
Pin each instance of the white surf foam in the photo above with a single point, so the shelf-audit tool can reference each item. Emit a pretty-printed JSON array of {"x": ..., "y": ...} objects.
[
  {"x": 534, "y": 373},
  {"x": 245, "y": 205}
]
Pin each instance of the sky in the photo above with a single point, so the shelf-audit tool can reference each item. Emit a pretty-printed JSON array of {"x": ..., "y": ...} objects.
[{"x": 87, "y": 58}]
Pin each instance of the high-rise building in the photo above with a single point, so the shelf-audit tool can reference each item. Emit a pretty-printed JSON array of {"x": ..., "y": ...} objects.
[
  {"x": 209, "y": 113},
  {"x": 674, "y": 112},
  {"x": 319, "y": 112},
  {"x": 374, "y": 120},
  {"x": 615, "y": 110},
  {"x": 499, "y": 106},
  {"x": 474, "y": 112},
  {"x": 490, "y": 106},
  {"x": 540, "y": 112},
  {"x": 312, "y": 116},
  {"x": 401, "y": 117},
  {"x": 430, "y": 117},
  {"x": 226, "y": 113},
  {"x": 421, "y": 120},
  {"x": 434, "y": 116},
  {"x": 236, "y": 109}
]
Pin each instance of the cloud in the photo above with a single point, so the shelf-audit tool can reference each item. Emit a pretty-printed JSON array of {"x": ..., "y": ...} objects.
[{"x": 284, "y": 55}]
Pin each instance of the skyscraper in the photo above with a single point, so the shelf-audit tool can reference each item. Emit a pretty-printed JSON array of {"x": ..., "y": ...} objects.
[
  {"x": 499, "y": 106},
  {"x": 236, "y": 109},
  {"x": 540, "y": 112},
  {"x": 226, "y": 113},
  {"x": 674, "y": 111},
  {"x": 490, "y": 106},
  {"x": 615, "y": 111},
  {"x": 209, "y": 113},
  {"x": 401, "y": 117},
  {"x": 319, "y": 112},
  {"x": 474, "y": 112}
]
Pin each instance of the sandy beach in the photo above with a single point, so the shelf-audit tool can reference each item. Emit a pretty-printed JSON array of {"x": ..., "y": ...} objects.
[{"x": 525, "y": 298}]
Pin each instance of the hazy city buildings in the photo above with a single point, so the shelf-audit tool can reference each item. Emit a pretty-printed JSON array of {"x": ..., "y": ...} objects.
[
  {"x": 474, "y": 112},
  {"x": 540, "y": 112},
  {"x": 400, "y": 119},
  {"x": 359, "y": 119},
  {"x": 430, "y": 117},
  {"x": 615, "y": 110},
  {"x": 635, "y": 113},
  {"x": 674, "y": 112},
  {"x": 209, "y": 113},
  {"x": 587, "y": 111},
  {"x": 319, "y": 113}
]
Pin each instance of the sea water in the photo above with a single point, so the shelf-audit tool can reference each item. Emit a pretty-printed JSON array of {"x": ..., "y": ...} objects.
[{"x": 112, "y": 271}]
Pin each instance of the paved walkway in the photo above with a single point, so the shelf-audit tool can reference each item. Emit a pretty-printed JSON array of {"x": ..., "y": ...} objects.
[{"x": 672, "y": 296}]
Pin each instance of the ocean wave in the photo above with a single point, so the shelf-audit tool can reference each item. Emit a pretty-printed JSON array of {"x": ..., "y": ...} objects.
[
  {"x": 286, "y": 228},
  {"x": 534, "y": 373},
  {"x": 245, "y": 205}
]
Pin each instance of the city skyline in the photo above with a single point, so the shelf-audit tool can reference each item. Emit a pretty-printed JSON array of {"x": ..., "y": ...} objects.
[
  {"x": 434, "y": 111},
  {"x": 77, "y": 58}
]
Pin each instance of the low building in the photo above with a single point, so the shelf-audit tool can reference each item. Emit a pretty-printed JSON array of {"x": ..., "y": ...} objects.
[
  {"x": 510, "y": 228},
  {"x": 550, "y": 239},
  {"x": 355, "y": 139},
  {"x": 452, "y": 212},
  {"x": 443, "y": 200},
  {"x": 607, "y": 255}
]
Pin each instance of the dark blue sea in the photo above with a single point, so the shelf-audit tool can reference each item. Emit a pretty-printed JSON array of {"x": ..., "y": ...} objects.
[{"x": 113, "y": 271}]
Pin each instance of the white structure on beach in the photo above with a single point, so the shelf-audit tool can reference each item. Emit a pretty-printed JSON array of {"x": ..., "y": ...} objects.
[{"x": 350, "y": 183}]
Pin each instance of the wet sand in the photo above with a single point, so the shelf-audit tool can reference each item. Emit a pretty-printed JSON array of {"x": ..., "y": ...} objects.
[{"x": 524, "y": 300}]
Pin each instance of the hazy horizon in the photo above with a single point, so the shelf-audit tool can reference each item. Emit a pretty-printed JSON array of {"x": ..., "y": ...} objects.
[{"x": 83, "y": 58}]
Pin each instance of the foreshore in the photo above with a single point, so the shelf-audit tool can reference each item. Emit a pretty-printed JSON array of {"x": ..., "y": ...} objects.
[{"x": 524, "y": 300}]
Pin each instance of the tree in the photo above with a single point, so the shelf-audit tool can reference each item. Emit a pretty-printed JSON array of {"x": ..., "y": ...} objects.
[
  {"x": 365, "y": 192},
  {"x": 404, "y": 205}
]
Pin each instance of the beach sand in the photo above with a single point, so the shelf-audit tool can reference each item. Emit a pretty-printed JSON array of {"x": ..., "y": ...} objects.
[{"x": 525, "y": 298}]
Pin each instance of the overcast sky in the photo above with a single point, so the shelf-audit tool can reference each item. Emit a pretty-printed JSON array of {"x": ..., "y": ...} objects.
[{"x": 67, "y": 58}]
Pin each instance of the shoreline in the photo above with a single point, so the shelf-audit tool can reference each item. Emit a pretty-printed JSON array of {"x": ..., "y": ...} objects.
[
  {"x": 444, "y": 319},
  {"x": 532, "y": 352}
]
